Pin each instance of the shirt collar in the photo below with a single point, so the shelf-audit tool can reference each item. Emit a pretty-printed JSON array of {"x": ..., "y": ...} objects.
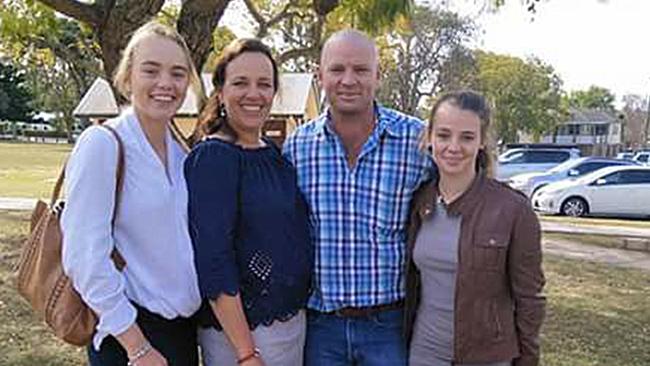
[
  {"x": 385, "y": 122},
  {"x": 461, "y": 206}
]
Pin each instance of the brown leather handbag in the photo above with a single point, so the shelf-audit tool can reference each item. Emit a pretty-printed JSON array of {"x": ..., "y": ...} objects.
[{"x": 39, "y": 272}]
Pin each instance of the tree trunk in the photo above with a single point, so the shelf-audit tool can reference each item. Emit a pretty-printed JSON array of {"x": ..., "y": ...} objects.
[
  {"x": 324, "y": 7},
  {"x": 68, "y": 121},
  {"x": 113, "y": 22},
  {"x": 196, "y": 23},
  {"x": 119, "y": 23}
]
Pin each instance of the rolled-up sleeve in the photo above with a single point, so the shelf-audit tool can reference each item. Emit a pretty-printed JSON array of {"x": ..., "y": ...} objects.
[
  {"x": 212, "y": 175},
  {"x": 527, "y": 282},
  {"x": 87, "y": 231}
]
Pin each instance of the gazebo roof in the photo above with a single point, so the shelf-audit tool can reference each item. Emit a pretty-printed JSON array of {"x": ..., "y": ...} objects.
[{"x": 291, "y": 98}]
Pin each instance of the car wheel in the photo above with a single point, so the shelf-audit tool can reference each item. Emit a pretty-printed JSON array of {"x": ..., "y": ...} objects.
[{"x": 575, "y": 206}]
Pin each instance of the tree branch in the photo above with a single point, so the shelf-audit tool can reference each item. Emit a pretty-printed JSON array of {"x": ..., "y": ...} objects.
[
  {"x": 324, "y": 7},
  {"x": 283, "y": 14},
  {"x": 255, "y": 13},
  {"x": 296, "y": 52},
  {"x": 265, "y": 24},
  {"x": 196, "y": 23},
  {"x": 87, "y": 13}
]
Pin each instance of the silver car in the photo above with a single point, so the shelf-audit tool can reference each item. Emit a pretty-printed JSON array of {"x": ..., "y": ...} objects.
[
  {"x": 529, "y": 183},
  {"x": 530, "y": 160}
]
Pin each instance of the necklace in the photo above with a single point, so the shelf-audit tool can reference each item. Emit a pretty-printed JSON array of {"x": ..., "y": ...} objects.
[{"x": 448, "y": 197}]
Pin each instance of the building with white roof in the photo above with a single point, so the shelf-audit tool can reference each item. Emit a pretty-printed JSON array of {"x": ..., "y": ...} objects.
[{"x": 297, "y": 101}]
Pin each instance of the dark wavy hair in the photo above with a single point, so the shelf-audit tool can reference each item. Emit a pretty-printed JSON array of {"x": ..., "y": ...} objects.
[
  {"x": 213, "y": 117},
  {"x": 468, "y": 100}
]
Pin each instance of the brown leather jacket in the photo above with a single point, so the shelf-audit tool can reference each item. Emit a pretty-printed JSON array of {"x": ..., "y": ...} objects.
[{"x": 499, "y": 306}]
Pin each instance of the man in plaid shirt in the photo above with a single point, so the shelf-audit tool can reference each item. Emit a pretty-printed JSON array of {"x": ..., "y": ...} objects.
[{"x": 358, "y": 165}]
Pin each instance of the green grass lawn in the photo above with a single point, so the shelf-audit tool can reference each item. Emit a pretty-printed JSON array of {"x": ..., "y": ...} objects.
[
  {"x": 23, "y": 339},
  {"x": 30, "y": 170},
  {"x": 597, "y": 315}
]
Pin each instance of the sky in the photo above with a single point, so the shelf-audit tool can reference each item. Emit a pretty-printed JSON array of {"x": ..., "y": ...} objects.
[{"x": 588, "y": 42}]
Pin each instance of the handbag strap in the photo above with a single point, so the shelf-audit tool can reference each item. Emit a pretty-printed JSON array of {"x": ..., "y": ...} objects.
[
  {"x": 119, "y": 174},
  {"x": 115, "y": 255}
]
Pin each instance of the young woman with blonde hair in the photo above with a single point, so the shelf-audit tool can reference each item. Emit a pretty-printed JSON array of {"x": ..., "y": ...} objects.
[{"x": 145, "y": 311}]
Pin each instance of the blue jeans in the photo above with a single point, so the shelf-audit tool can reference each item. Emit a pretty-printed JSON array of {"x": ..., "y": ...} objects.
[{"x": 375, "y": 340}]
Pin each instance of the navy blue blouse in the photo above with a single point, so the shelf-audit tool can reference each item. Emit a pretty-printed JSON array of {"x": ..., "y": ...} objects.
[{"x": 250, "y": 230}]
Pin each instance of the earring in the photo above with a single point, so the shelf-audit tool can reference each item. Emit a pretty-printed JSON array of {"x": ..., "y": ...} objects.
[{"x": 222, "y": 111}]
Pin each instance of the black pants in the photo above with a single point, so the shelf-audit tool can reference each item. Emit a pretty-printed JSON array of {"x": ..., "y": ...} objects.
[{"x": 175, "y": 339}]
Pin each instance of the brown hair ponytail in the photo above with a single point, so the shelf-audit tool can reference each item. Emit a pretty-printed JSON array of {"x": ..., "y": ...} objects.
[{"x": 474, "y": 102}]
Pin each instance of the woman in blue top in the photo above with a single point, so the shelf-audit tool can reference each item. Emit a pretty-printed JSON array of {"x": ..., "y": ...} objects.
[{"x": 248, "y": 221}]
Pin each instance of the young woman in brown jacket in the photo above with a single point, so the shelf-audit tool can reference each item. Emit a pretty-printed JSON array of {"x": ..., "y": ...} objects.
[{"x": 474, "y": 268}]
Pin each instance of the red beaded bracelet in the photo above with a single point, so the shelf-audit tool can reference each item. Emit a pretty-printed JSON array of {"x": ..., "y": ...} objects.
[{"x": 250, "y": 356}]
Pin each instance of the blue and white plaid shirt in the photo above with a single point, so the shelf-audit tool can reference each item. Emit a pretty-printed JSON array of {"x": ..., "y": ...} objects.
[{"x": 359, "y": 213}]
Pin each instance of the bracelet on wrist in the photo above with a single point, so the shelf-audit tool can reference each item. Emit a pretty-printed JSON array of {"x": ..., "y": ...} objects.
[
  {"x": 139, "y": 353},
  {"x": 254, "y": 354}
]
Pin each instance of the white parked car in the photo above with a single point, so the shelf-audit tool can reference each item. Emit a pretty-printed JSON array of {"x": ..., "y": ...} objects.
[
  {"x": 625, "y": 156},
  {"x": 642, "y": 157},
  {"x": 529, "y": 183},
  {"x": 616, "y": 190},
  {"x": 527, "y": 160}
]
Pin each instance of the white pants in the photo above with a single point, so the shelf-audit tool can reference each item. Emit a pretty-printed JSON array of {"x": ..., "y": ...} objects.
[{"x": 280, "y": 344}]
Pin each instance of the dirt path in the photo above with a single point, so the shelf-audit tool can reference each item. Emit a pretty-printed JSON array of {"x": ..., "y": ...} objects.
[
  {"x": 12, "y": 203},
  {"x": 611, "y": 256}
]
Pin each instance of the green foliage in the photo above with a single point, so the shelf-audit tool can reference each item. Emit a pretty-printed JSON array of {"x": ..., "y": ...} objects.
[
  {"x": 15, "y": 97},
  {"x": 169, "y": 15},
  {"x": 59, "y": 56},
  {"x": 373, "y": 16},
  {"x": 526, "y": 95},
  {"x": 222, "y": 37},
  {"x": 593, "y": 98},
  {"x": 298, "y": 28},
  {"x": 423, "y": 55}
]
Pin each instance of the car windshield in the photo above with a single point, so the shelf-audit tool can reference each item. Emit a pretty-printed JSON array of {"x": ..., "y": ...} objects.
[
  {"x": 569, "y": 164},
  {"x": 509, "y": 155}
]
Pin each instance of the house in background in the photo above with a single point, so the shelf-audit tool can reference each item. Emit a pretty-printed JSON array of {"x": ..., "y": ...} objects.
[
  {"x": 297, "y": 101},
  {"x": 595, "y": 132}
]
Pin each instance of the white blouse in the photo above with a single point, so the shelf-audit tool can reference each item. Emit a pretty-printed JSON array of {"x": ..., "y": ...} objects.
[{"x": 151, "y": 228}]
